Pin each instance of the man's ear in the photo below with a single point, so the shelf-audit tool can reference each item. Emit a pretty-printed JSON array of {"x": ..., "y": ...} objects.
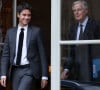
[
  {"x": 17, "y": 15},
  {"x": 86, "y": 11}
]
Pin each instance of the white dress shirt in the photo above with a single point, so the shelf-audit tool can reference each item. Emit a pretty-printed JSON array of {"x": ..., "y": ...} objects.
[{"x": 24, "y": 48}]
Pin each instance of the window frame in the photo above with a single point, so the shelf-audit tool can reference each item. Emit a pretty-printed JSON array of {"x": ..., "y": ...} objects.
[{"x": 56, "y": 42}]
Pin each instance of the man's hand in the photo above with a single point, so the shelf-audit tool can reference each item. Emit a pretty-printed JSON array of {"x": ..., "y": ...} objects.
[
  {"x": 43, "y": 83},
  {"x": 64, "y": 75},
  {"x": 3, "y": 82}
]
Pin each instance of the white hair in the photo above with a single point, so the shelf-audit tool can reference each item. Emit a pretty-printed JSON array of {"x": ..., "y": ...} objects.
[{"x": 84, "y": 3}]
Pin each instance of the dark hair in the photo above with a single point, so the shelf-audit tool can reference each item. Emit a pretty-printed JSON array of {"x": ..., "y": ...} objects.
[{"x": 23, "y": 6}]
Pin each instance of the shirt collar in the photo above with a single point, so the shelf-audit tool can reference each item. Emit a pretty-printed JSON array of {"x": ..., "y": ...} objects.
[
  {"x": 84, "y": 22},
  {"x": 25, "y": 27}
]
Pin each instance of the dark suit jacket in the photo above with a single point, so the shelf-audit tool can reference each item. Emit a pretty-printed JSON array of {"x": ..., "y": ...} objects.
[
  {"x": 35, "y": 52},
  {"x": 83, "y": 67}
]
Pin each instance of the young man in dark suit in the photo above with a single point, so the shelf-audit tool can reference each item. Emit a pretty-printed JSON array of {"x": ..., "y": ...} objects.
[
  {"x": 23, "y": 54},
  {"x": 81, "y": 55}
]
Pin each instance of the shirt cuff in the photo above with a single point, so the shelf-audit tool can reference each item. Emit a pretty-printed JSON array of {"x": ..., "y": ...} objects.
[
  {"x": 66, "y": 70},
  {"x": 44, "y": 78},
  {"x": 3, "y": 76}
]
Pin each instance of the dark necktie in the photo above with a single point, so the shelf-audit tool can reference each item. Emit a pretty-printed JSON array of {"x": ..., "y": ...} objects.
[
  {"x": 81, "y": 32},
  {"x": 20, "y": 44}
]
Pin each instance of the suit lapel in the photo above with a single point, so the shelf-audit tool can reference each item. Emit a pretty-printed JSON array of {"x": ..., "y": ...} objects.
[
  {"x": 75, "y": 34},
  {"x": 28, "y": 36},
  {"x": 87, "y": 25},
  {"x": 14, "y": 35},
  {"x": 86, "y": 31}
]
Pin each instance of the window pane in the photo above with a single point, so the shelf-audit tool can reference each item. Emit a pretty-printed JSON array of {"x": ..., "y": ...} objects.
[
  {"x": 82, "y": 63},
  {"x": 92, "y": 28}
]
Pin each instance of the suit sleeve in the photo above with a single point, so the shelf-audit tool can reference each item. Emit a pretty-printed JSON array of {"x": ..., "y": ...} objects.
[
  {"x": 42, "y": 54},
  {"x": 70, "y": 61},
  {"x": 5, "y": 56}
]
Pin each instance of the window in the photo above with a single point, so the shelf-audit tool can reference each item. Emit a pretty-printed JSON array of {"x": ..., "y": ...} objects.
[{"x": 61, "y": 17}]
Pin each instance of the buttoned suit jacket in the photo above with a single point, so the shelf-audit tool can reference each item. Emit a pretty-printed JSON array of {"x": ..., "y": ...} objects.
[
  {"x": 35, "y": 52},
  {"x": 91, "y": 32}
]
